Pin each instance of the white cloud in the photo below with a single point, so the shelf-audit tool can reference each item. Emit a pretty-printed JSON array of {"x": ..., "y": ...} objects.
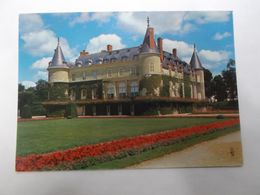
[
  {"x": 82, "y": 18},
  {"x": 218, "y": 36},
  {"x": 101, "y": 16},
  {"x": 41, "y": 75},
  {"x": 214, "y": 56},
  {"x": 209, "y": 58},
  {"x": 202, "y": 17},
  {"x": 85, "y": 17},
  {"x": 184, "y": 50},
  {"x": 30, "y": 22},
  {"x": 100, "y": 42},
  {"x": 42, "y": 63},
  {"x": 168, "y": 22},
  {"x": 28, "y": 84},
  {"x": 43, "y": 42}
]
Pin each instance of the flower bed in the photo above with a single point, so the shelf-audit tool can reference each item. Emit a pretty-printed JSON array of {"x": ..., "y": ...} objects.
[{"x": 114, "y": 149}]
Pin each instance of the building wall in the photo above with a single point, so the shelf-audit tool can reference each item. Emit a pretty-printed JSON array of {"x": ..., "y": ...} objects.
[
  {"x": 150, "y": 64},
  {"x": 106, "y": 71},
  {"x": 58, "y": 75},
  {"x": 128, "y": 73}
]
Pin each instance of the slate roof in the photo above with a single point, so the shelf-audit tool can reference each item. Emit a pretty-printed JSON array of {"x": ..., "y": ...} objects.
[
  {"x": 105, "y": 56},
  {"x": 195, "y": 61},
  {"x": 58, "y": 59}
]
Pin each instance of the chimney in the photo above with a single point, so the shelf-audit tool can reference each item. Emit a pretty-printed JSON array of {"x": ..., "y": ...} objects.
[
  {"x": 174, "y": 52},
  {"x": 109, "y": 48},
  {"x": 151, "y": 38},
  {"x": 160, "y": 46},
  {"x": 83, "y": 53}
]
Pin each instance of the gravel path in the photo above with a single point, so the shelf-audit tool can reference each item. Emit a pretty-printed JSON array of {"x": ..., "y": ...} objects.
[{"x": 223, "y": 151}]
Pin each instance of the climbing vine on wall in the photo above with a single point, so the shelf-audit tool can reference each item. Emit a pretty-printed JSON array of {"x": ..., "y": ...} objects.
[
  {"x": 88, "y": 86},
  {"x": 57, "y": 91},
  {"x": 154, "y": 81},
  {"x": 150, "y": 83}
]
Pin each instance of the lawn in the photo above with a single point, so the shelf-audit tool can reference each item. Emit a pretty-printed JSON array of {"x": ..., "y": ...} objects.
[{"x": 50, "y": 135}]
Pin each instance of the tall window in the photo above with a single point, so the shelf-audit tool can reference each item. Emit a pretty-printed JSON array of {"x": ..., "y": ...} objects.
[
  {"x": 122, "y": 89},
  {"x": 72, "y": 94},
  {"x": 110, "y": 90},
  {"x": 73, "y": 77},
  {"x": 120, "y": 73},
  {"x": 134, "y": 88},
  {"x": 109, "y": 73},
  {"x": 151, "y": 67},
  {"x": 133, "y": 71},
  {"x": 94, "y": 74},
  {"x": 94, "y": 93},
  {"x": 83, "y": 94},
  {"x": 84, "y": 75}
]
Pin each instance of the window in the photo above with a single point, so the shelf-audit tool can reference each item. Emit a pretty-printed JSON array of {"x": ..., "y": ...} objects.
[
  {"x": 134, "y": 88},
  {"x": 94, "y": 93},
  {"x": 109, "y": 73},
  {"x": 73, "y": 77},
  {"x": 122, "y": 89},
  {"x": 198, "y": 78},
  {"x": 151, "y": 67},
  {"x": 72, "y": 94},
  {"x": 124, "y": 58},
  {"x": 110, "y": 90},
  {"x": 121, "y": 71},
  {"x": 84, "y": 75},
  {"x": 83, "y": 94},
  {"x": 94, "y": 74},
  {"x": 133, "y": 71}
]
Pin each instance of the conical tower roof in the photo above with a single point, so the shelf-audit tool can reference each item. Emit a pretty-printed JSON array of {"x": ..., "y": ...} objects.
[
  {"x": 149, "y": 44},
  {"x": 195, "y": 61},
  {"x": 58, "y": 57}
]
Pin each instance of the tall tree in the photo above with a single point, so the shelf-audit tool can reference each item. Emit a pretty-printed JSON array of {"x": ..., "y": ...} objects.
[
  {"x": 41, "y": 90},
  {"x": 219, "y": 88},
  {"x": 208, "y": 83},
  {"x": 229, "y": 77}
]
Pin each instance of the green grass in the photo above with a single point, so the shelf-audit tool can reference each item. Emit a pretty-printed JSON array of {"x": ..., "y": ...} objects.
[{"x": 51, "y": 135}]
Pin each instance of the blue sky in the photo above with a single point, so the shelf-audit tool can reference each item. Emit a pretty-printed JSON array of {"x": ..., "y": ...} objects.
[{"x": 212, "y": 32}]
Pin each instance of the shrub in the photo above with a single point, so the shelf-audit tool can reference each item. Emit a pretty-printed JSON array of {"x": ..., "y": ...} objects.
[
  {"x": 55, "y": 111},
  {"x": 26, "y": 111},
  {"x": 166, "y": 110},
  {"x": 38, "y": 110},
  {"x": 150, "y": 112}
]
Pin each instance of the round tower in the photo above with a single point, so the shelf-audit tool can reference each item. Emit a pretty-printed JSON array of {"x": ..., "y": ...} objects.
[
  {"x": 149, "y": 55},
  {"x": 58, "y": 71},
  {"x": 199, "y": 87}
]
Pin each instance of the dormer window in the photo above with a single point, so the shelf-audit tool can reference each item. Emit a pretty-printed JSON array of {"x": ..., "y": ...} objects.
[
  {"x": 113, "y": 59},
  {"x": 90, "y": 62},
  {"x": 124, "y": 58}
]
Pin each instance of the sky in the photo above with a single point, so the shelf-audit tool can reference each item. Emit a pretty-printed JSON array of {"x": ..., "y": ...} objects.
[{"x": 212, "y": 32}]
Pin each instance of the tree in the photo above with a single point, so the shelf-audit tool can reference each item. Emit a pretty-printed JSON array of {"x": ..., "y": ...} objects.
[
  {"x": 219, "y": 88},
  {"x": 21, "y": 88},
  {"x": 229, "y": 77},
  {"x": 41, "y": 90},
  {"x": 208, "y": 83}
]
